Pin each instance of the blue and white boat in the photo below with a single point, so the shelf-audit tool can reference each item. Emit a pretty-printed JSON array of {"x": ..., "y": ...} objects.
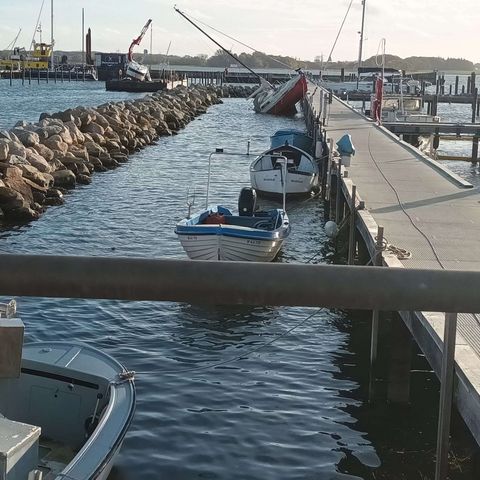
[
  {"x": 66, "y": 415},
  {"x": 216, "y": 233},
  {"x": 302, "y": 173}
]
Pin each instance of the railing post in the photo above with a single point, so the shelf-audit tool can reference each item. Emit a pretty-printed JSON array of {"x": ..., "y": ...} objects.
[
  {"x": 351, "y": 233},
  {"x": 446, "y": 395}
]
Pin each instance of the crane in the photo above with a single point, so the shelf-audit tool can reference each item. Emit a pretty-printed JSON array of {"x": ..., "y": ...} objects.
[{"x": 136, "y": 41}]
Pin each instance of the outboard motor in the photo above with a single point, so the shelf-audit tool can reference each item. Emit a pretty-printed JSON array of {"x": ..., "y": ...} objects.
[{"x": 247, "y": 201}]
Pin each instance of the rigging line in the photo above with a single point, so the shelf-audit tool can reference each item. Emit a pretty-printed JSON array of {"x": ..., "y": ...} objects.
[
  {"x": 32, "y": 44},
  {"x": 216, "y": 43},
  {"x": 329, "y": 58},
  {"x": 241, "y": 43},
  {"x": 245, "y": 354}
]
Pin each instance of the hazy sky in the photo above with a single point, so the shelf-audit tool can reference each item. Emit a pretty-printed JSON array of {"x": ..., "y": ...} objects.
[{"x": 301, "y": 28}]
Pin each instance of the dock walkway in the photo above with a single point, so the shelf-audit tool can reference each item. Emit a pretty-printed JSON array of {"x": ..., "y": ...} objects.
[{"x": 427, "y": 210}]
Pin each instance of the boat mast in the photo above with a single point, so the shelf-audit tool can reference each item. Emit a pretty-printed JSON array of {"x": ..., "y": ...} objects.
[
  {"x": 216, "y": 43},
  {"x": 83, "y": 37},
  {"x": 51, "y": 34},
  {"x": 361, "y": 41}
]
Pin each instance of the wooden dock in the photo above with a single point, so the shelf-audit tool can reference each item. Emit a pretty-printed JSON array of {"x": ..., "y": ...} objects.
[{"x": 424, "y": 209}]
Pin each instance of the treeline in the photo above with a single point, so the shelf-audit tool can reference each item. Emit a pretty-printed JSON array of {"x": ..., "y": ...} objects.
[{"x": 262, "y": 60}]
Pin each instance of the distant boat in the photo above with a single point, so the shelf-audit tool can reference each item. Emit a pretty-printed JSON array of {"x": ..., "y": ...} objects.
[
  {"x": 302, "y": 172},
  {"x": 67, "y": 414},
  {"x": 215, "y": 233}
]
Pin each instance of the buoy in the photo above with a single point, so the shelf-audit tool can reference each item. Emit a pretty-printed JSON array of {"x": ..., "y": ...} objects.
[{"x": 331, "y": 229}]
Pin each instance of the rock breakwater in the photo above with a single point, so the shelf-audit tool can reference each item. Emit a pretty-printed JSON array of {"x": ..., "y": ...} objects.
[{"x": 40, "y": 161}]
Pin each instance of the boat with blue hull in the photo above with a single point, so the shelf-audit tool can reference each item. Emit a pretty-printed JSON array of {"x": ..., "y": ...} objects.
[
  {"x": 302, "y": 176},
  {"x": 66, "y": 415}
]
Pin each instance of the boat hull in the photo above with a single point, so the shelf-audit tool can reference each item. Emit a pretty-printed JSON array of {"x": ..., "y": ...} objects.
[
  {"x": 256, "y": 238},
  {"x": 223, "y": 247},
  {"x": 270, "y": 182},
  {"x": 283, "y": 100}
]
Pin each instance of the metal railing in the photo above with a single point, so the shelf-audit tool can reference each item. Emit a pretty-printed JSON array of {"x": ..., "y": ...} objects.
[{"x": 230, "y": 283}]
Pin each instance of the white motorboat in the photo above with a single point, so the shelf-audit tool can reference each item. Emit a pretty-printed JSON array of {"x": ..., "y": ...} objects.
[
  {"x": 302, "y": 172},
  {"x": 66, "y": 415},
  {"x": 215, "y": 233}
]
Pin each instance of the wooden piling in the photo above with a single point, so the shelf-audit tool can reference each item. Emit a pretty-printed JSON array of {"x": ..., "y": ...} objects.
[
  {"x": 456, "y": 85},
  {"x": 474, "y": 104},
  {"x": 377, "y": 261},
  {"x": 446, "y": 395},
  {"x": 398, "y": 390},
  {"x": 351, "y": 232},
  {"x": 475, "y": 149},
  {"x": 468, "y": 85}
]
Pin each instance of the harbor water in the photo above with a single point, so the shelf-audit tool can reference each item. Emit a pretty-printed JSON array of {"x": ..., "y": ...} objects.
[{"x": 222, "y": 392}]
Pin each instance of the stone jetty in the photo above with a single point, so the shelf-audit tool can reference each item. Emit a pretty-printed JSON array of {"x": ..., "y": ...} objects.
[{"x": 40, "y": 161}]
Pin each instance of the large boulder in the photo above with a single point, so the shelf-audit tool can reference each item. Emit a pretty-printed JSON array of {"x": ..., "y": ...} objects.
[
  {"x": 13, "y": 179},
  {"x": 4, "y": 149},
  {"x": 40, "y": 163},
  {"x": 41, "y": 180},
  {"x": 16, "y": 148},
  {"x": 94, "y": 128},
  {"x": 64, "y": 179},
  {"x": 56, "y": 143},
  {"x": 29, "y": 139},
  {"x": 44, "y": 151}
]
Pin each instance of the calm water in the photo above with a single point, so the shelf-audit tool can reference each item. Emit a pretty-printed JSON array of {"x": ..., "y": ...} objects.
[{"x": 294, "y": 409}]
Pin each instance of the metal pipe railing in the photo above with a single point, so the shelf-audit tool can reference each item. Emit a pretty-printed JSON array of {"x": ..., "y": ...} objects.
[{"x": 335, "y": 286}]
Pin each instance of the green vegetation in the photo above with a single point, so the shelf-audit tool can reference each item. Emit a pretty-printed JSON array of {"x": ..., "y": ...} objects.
[{"x": 262, "y": 60}]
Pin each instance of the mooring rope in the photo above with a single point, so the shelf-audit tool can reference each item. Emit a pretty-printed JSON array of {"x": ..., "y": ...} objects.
[{"x": 243, "y": 355}]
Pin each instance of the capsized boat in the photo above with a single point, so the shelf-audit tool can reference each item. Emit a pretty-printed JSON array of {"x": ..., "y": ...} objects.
[
  {"x": 215, "y": 233},
  {"x": 67, "y": 414},
  {"x": 302, "y": 172},
  {"x": 280, "y": 100}
]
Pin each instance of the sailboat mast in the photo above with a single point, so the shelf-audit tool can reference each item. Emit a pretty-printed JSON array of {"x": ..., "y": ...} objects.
[
  {"x": 216, "y": 43},
  {"x": 83, "y": 36},
  {"x": 360, "y": 50}
]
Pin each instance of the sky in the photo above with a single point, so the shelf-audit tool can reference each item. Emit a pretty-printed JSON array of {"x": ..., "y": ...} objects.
[{"x": 298, "y": 28}]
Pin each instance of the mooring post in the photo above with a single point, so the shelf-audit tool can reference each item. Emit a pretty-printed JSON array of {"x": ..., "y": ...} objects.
[
  {"x": 29, "y": 76},
  {"x": 23, "y": 77},
  {"x": 338, "y": 193},
  {"x": 351, "y": 232},
  {"x": 446, "y": 395},
  {"x": 475, "y": 148},
  {"x": 456, "y": 85},
  {"x": 474, "y": 104},
  {"x": 11, "y": 75},
  {"x": 376, "y": 262},
  {"x": 469, "y": 82}
]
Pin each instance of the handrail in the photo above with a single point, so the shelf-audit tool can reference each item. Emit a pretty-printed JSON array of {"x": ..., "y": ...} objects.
[{"x": 335, "y": 286}]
